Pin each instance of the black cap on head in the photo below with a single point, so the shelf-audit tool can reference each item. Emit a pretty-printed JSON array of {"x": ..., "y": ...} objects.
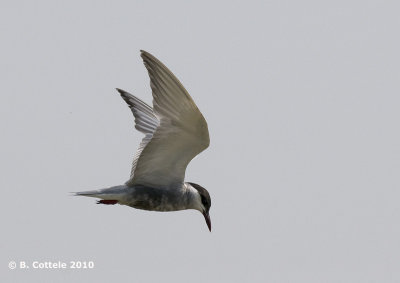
[
  {"x": 206, "y": 201},
  {"x": 205, "y": 196}
]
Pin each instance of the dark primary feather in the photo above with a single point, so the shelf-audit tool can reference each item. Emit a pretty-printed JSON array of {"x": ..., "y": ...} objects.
[{"x": 145, "y": 121}]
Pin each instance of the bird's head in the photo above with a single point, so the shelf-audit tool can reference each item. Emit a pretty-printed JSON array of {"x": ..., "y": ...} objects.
[{"x": 203, "y": 203}]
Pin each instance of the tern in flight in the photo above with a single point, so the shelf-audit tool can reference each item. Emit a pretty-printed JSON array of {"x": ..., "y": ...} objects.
[{"x": 175, "y": 132}]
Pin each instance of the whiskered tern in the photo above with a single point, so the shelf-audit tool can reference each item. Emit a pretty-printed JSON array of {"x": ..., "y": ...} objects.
[{"x": 175, "y": 132}]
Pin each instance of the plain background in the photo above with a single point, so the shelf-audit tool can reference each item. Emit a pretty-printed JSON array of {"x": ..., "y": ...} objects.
[{"x": 302, "y": 102}]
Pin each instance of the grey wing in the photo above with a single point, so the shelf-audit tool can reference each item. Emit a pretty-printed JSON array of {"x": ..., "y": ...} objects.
[
  {"x": 181, "y": 135},
  {"x": 145, "y": 121}
]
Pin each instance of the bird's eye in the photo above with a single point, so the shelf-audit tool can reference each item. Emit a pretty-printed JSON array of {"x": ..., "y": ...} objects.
[{"x": 204, "y": 201}]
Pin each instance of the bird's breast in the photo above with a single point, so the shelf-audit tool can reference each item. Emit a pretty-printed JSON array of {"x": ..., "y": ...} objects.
[{"x": 157, "y": 199}]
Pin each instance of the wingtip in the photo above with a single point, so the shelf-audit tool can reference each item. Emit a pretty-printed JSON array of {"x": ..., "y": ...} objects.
[
  {"x": 121, "y": 92},
  {"x": 125, "y": 96},
  {"x": 146, "y": 55}
]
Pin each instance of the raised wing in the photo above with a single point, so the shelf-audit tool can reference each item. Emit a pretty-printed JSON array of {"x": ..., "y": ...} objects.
[
  {"x": 182, "y": 132},
  {"x": 145, "y": 121}
]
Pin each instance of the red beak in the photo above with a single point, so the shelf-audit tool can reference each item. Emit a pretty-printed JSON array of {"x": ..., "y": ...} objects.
[{"x": 208, "y": 220}]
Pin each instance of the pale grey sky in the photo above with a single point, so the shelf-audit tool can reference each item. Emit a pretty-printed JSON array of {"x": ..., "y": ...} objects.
[{"x": 302, "y": 102}]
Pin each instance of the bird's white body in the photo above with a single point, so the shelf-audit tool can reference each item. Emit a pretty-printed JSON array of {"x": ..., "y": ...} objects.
[
  {"x": 151, "y": 198},
  {"x": 175, "y": 132}
]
